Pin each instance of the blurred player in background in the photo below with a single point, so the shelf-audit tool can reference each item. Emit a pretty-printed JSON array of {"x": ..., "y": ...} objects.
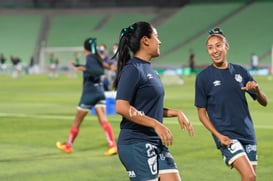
[
  {"x": 254, "y": 61},
  {"x": 143, "y": 138},
  {"x": 222, "y": 106},
  {"x": 114, "y": 59},
  {"x": 92, "y": 95},
  {"x": 72, "y": 69},
  {"x": 102, "y": 51}
]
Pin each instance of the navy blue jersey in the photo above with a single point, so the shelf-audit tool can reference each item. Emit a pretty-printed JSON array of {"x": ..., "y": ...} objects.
[
  {"x": 93, "y": 92},
  {"x": 92, "y": 74},
  {"x": 141, "y": 86},
  {"x": 94, "y": 69},
  {"x": 219, "y": 91}
]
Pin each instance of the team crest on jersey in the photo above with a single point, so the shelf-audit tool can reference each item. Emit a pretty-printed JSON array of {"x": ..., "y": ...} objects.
[
  {"x": 238, "y": 78},
  {"x": 217, "y": 83},
  {"x": 150, "y": 76}
]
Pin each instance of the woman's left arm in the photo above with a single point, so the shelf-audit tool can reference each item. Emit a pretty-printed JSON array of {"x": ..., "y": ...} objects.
[{"x": 182, "y": 119}]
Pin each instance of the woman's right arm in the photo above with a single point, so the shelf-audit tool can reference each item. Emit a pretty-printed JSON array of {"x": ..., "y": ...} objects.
[
  {"x": 202, "y": 113},
  {"x": 124, "y": 108}
]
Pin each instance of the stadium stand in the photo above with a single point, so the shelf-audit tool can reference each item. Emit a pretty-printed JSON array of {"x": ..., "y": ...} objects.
[
  {"x": 243, "y": 30},
  {"x": 18, "y": 35},
  {"x": 109, "y": 34},
  {"x": 71, "y": 30},
  {"x": 250, "y": 31},
  {"x": 187, "y": 22},
  {"x": 180, "y": 28},
  {"x": 247, "y": 30},
  {"x": 60, "y": 4}
]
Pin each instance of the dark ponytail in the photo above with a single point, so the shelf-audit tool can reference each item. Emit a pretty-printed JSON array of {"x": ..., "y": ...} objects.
[
  {"x": 90, "y": 44},
  {"x": 129, "y": 42}
]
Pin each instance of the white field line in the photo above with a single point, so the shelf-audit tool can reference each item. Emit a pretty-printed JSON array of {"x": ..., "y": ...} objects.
[{"x": 20, "y": 115}]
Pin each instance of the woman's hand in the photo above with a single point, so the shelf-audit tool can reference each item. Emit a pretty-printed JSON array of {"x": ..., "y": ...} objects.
[
  {"x": 185, "y": 123},
  {"x": 251, "y": 85},
  {"x": 164, "y": 133},
  {"x": 224, "y": 140}
]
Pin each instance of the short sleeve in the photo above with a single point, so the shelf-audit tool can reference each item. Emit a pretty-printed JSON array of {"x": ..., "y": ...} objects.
[
  {"x": 200, "y": 93},
  {"x": 128, "y": 82}
]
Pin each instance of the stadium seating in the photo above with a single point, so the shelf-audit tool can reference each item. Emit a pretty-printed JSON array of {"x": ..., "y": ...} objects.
[
  {"x": 18, "y": 35},
  {"x": 248, "y": 30},
  {"x": 191, "y": 20},
  {"x": 71, "y": 30},
  {"x": 109, "y": 33}
]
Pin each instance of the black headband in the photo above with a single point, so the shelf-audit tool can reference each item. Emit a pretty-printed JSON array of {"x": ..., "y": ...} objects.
[{"x": 216, "y": 31}]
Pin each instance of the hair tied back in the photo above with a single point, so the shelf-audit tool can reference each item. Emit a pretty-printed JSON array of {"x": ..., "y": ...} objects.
[
  {"x": 124, "y": 32},
  {"x": 92, "y": 42},
  {"x": 127, "y": 30}
]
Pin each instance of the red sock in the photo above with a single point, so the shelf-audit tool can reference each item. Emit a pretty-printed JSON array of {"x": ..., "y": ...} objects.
[
  {"x": 107, "y": 128},
  {"x": 72, "y": 135}
]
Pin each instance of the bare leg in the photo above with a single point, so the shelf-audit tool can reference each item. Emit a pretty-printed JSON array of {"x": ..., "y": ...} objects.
[
  {"x": 100, "y": 110},
  {"x": 75, "y": 128},
  {"x": 107, "y": 128},
  {"x": 79, "y": 117},
  {"x": 246, "y": 170},
  {"x": 170, "y": 177}
]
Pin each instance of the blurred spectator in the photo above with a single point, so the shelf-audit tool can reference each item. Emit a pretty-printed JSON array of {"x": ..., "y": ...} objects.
[
  {"x": 102, "y": 51},
  {"x": 3, "y": 65},
  {"x": 114, "y": 51},
  {"x": 113, "y": 61},
  {"x": 191, "y": 61},
  {"x": 72, "y": 69},
  {"x": 32, "y": 67},
  {"x": 254, "y": 61},
  {"x": 17, "y": 66}
]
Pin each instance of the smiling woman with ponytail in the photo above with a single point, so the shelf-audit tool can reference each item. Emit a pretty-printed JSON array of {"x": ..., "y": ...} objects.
[
  {"x": 143, "y": 138},
  {"x": 220, "y": 99}
]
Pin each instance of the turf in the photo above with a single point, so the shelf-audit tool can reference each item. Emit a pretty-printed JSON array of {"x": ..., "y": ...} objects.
[{"x": 36, "y": 111}]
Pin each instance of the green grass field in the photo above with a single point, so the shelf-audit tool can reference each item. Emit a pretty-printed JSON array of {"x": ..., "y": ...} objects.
[{"x": 36, "y": 111}]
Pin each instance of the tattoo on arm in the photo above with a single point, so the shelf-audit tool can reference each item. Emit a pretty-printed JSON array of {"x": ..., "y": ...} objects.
[{"x": 134, "y": 112}]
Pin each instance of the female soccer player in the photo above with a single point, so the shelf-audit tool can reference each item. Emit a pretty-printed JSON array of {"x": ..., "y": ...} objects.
[
  {"x": 143, "y": 138},
  {"x": 222, "y": 106},
  {"x": 92, "y": 95}
]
